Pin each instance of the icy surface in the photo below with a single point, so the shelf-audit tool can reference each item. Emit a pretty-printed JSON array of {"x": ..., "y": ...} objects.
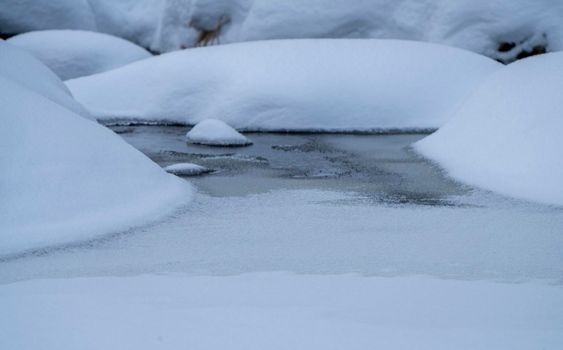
[
  {"x": 310, "y": 204},
  {"x": 65, "y": 178},
  {"x": 186, "y": 169},
  {"x": 318, "y": 204},
  {"x": 213, "y": 132},
  {"x": 292, "y": 85},
  {"x": 76, "y": 53},
  {"x": 279, "y": 311},
  {"x": 21, "y": 67},
  {"x": 507, "y": 136}
]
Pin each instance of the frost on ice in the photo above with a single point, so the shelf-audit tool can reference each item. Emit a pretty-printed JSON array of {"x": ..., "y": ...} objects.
[{"x": 213, "y": 132}]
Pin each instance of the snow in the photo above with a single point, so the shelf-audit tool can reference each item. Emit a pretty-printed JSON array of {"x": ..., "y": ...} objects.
[
  {"x": 166, "y": 25},
  {"x": 19, "y": 66},
  {"x": 507, "y": 136},
  {"x": 329, "y": 85},
  {"x": 76, "y": 53},
  {"x": 65, "y": 178},
  {"x": 17, "y": 16},
  {"x": 186, "y": 169},
  {"x": 278, "y": 311},
  {"x": 213, "y": 132}
]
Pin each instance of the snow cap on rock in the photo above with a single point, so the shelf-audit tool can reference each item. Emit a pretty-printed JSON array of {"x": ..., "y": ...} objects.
[{"x": 213, "y": 132}]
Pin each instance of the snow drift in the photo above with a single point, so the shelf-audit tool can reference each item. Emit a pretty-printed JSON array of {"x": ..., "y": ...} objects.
[
  {"x": 76, "y": 53},
  {"x": 330, "y": 85},
  {"x": 502, "y": 29},
  {"x": 507, "y": 136},
  {"x": 65, "y": 178},
  {"x": 21, "y": 67}
]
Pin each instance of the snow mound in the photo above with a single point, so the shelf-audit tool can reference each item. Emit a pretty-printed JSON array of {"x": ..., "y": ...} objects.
[
  {"x": 19, "y": 66},
  {"x": 65, "y": 178},
  {"x": 187, "y": 169},
  {"x": 76, "y": 53},
  {"x": 507, "y": 136},
  {"x": 213, "y": 132},
  {"x": 330, "y": 85}
]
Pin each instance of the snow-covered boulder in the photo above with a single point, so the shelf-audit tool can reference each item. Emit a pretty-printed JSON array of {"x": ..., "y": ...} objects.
[
  {"x": 66, "y": 178},
  {"x": 187, "y": 169},
  {"x": 19, "y": 66},
  {"x": 76, "y": 53},
  {"x": 292, "y": 85},
  {"x": 213, "y": 132},
  {"x": 502, "y": 29},
  {"x": 508, "y": 136}
]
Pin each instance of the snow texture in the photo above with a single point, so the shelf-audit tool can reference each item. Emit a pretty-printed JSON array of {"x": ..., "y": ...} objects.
[
  {"x": 507, "y": 136},
  {"x": 24, "y": 69},
  {"x": 213, "y": 132},
  {"x": 64, "y": 178},
  {"x": 502, "y": 29},
  {"x": 186, "y": 169},
  {"x": 76, "y": 53},
  {"x": 279, "y": 311},
  {"x": 329, "y": 85}
]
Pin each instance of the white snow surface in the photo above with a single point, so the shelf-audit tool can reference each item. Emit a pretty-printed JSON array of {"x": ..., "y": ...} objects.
[
  {"x": 279, "y": 311},
  {"x": 213, "y": 132},
  {"x": 76, "y": 53},
  {"x": 507, "y": 136},
  {"x": 329, "y": 85},
  {"x": 65, "y": 178},
  {"x": 24, "y": 69},
  {"x": 186, "y": 169},
  {"x": 166, "y": 25}
]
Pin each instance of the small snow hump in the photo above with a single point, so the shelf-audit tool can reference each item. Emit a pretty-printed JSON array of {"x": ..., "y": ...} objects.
[
  {"x": 213, "y": 132},
  {"x": 187, "y": 169}
]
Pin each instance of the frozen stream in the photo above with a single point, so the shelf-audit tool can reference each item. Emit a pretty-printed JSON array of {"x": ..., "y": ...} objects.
[{"x": 317, "y": 204}]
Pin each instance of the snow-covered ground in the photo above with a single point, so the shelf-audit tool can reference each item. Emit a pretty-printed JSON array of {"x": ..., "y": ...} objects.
[
  {"x": 508, "y": 136},
  {"x": 278, "y": 311},
  {"x": 77, "y": 53},
  {"x": 64, "y": 177},
  {"x": 330, "y": 85},
  {"x": 502, "y": 29}
]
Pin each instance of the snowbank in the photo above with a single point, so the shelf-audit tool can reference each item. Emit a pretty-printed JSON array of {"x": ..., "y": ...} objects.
[
  {"x": 502, "y": 29},
  {"x": 76, "y": 53},
  {"x": 213, "y": 132},
  {"x": 507, "y": 136},
  {"x": 65, "y": 178},
  {"x": 292, "y": 85},
  {"x": 19, "y": 66},
  {"x": 279, "y": 311}
]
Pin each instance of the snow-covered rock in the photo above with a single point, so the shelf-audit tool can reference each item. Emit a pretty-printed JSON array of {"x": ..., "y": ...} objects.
[
  {"x": 507, "y": 136},
  {"x": 187, "y": 169},
  {"x": 292, "y": 85},
  {"x": 66, "y": 178},
  {"x": 19, "y": 66},
  {"x": 76, "y": 53},
  {"x": 213, "y": 132},
  {"x": 480, "y": 26},
  {"x": 502, "y": 29}
]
